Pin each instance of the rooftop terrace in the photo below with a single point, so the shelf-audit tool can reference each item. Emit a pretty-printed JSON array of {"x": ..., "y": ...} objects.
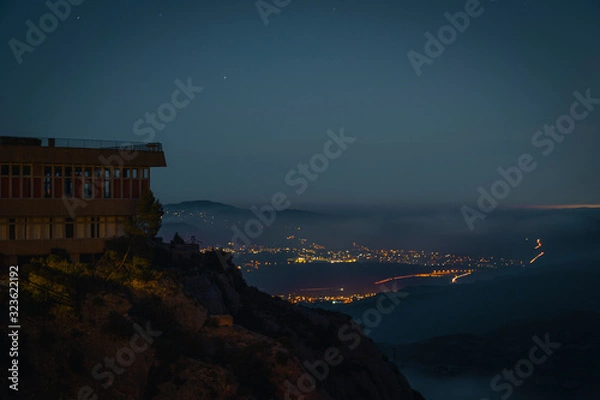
[{"x": 79, "y": 143}]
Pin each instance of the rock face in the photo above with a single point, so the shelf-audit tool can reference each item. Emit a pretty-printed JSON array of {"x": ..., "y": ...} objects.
[
  {"x": 200, "y": 333},
  {"x": 220, "y": 320}
]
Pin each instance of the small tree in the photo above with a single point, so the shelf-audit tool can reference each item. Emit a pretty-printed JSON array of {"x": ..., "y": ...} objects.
[
  {"x": 145, "y": 224},
  {"x": 177, "y": 239},
  {"x": 148, "y": 217}
]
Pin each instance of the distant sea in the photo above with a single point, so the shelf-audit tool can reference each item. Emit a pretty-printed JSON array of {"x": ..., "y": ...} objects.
[{"x": 328, "y": 279}]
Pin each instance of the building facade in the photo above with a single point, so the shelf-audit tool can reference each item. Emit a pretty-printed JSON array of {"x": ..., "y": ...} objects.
[{"x": 68, "y": 194}]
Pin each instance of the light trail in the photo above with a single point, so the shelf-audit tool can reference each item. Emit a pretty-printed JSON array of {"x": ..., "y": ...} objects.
[
  {"x": 536, "y": 257},
  {"x": 460, "y": 276},
  {"x": 539, "y": 244},
  {"x": 434, "y": 274}
]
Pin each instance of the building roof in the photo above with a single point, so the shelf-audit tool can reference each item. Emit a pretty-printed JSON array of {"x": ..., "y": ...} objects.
[{"x": 80, "y": 151}]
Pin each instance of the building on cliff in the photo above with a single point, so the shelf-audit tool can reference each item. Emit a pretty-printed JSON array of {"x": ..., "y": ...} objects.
[{"x": 68, "y": 194}]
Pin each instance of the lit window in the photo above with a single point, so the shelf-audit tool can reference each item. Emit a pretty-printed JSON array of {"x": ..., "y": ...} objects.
[
  {"x": 135, "y": 172},
  {"x": 47, "y": 187}
]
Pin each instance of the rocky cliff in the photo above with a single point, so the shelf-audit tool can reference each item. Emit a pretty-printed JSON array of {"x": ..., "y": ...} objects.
[{"x": 193, "y": 332}]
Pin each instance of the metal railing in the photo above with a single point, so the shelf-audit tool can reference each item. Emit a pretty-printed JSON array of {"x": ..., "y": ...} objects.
[{"x": 81, "y": 143}]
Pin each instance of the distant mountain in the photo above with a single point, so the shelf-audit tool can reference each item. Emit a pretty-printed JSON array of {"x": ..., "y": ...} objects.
[
  {"x": 202, "y": 205},
  {"x": 216, "y": 207},
  {"x": 504, "y": 233},
  {"x": 214, "y": 223}
]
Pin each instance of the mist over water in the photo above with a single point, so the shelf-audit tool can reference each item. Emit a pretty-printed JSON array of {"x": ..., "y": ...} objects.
[{"x": 474, "y": 387}]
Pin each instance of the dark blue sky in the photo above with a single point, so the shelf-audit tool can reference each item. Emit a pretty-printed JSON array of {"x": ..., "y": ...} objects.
[{"x": 319, "y": 65}]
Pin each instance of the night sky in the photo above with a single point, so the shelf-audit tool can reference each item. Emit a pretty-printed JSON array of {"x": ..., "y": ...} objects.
[{"x": 271, "y": 93}]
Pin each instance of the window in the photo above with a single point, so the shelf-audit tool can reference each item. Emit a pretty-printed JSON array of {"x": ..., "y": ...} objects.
[
  {"x": 12, "y": 231},
  {"x": 47, "y": 187},
  {"x": 107, "y": 189},
  {"x": 98, "y": 172},
  {"x": 4, "y": 170},
  {"x": 135, "y": 172},
  {"x": 69, "y": 229},
  {"x": 87, "y": 190},
  {"x": 16, "y": 170},
  {"x": 117, "y": 172},
  {"x": 87, "y": 172},
  {"x": 47, "y": 170},
  {"x": 26, "y": 170},
  {"x": 107, "y": 173},
  {"x": 26, "y": 188},
  {"x": 68, "y": 187},
  {"x": 68, "y": 171},
  {"x": 126, "y": 173},
  {"x": 78, "y": 171},
  {"x": 146, "y": 173},
  {"x": 95, "y": 228},
  {"x": 57, "y": 171}
]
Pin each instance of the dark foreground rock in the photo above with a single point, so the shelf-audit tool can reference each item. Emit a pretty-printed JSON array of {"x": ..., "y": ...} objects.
[{"x": 197, "y": 332}]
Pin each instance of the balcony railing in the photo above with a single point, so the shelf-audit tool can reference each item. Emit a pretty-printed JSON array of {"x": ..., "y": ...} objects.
[{"x": 80, "y": 143}]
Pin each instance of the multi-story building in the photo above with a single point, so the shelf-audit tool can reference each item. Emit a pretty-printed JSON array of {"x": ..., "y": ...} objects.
[{"x": 68, "y": 194}]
